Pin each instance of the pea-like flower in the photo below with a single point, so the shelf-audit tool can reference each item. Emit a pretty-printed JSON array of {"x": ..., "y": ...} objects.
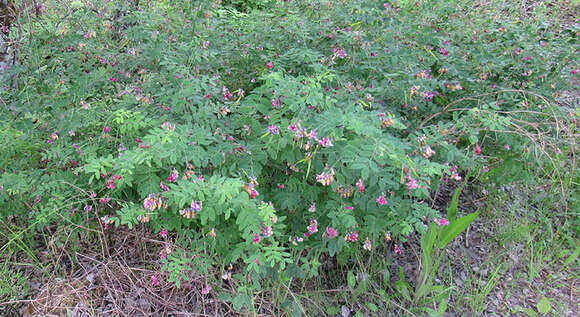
[{"x": 382, "y": 200}]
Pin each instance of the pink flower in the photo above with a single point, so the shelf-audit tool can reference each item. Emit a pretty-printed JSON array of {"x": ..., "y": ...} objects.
[
  {"x": 507, "y": 147},
  {"x": 107, "y": 129},
  {"x": 412, "y": 184},
  {"x": 208, "y": 96},
  {"x": 443, "y": 51},
  {"x": 150, "y": 203},
  {"x": 351, "y": 237},
  {"x": 110, "y": 183},
  {"x": 163, "y": 233},
  {"x": 270, "y": 65},
  {"x": 254, "y": 193},
  {"x": 349, "y": 208},
  {"x": 382, "y": 200},
  {"x": 206, "y": 289},
  {"x": 274, "y": 129},
  {"x": 5, "y": 29},
  {"x": 442, "y": 221},
  {"x": 477, "y": 150},
  {"x": 386, "y": 5},
  {"x": 173, "y": 177},
  {"x": 397, "y": 250},
  {"x": 367, "y": 245},
  {"x": 360, "y": 185},
  {"x": 227, "y": 93},
  {"x": 527, "y": 58},
  {"x": 88, "y": 208},
  {"x": 312, "y": 207},
  {"x": 331, "y": 232},
  {"x": 293, "y": 128},
  {"x": 154, "y": 280},
  {"x": 104, "y": 200},
  {"x": 257, "y": 238},
  {"x": 38, "y": 199},
  {"x": 281, "y": 186},
  {"x": 313, "y": 228},
  {"x": 113, "y": 79},
  {"x": 325, "y": 142},
  {"x": 164, "y": 187},
  {"x": 196, "y": 205}
]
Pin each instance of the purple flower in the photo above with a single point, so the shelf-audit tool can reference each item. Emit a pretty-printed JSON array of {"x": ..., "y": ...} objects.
[
  {"x": 382, "y": 200},
  {"x": 164, "y": 187},
  {"x": 412, "y": 184},
  {"x": 274, "y": 129},
  {"x": 331, "y": 232},
  {"x": 360, "y": 185},
  {"x": 351, "y": 237},
  {"x": 325, "y": 142},
  {"x": 313, "y": 227},
  {"x": 442, "y": 221},
  {"x": 173, "y": 177},
  {"x": 196, "y": 205},
  {"x": 154, "y": 280}
]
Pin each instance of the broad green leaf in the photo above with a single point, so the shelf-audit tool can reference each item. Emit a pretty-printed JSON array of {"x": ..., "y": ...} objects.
[
  {"x": 544, "y": 306},
  {"x": 449, "y": 232},
  {"x": 452, "y": 210},
  {"x": 350, "y": 279}
]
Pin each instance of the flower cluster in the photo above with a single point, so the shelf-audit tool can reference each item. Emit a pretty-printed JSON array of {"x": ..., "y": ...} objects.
[
  {"x": 251, "y": 190},
  {"x": 311, "y": 135},
  {"x": 345, "y": 192},
  {"x": 382, "y": 200},
  {"x": 164, "y": 187},
  {"x": 168, "y": 126},
  {"x": 110, "y": 183},
  {"x": 154, "y": 201},
  {"x": 326, "y": 178},
  {"x": 193, "y": 209},
  {"x": 386, "y": 120},
  {"x": 338, "y": 53},
  {"x": 351, "y": 236},
  {"x": 360, "y": 185},
  {"x": 330, "y": 233},
  {"x": 312, "y": 228},
  {"x": 173, "y": 177},
  {"x": 274, "y": 129}
]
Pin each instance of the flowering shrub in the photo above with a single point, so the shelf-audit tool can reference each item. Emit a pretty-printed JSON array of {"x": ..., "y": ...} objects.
[{"x": 267, "y": 138}]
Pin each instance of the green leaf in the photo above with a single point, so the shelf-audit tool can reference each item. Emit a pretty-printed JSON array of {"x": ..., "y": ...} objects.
[
  {"x": 544, "y": 306},
  {"x": 428, "y": 239},
  {"x": 452, "y": 210},
  {"x": 573, "y": 256},
  {"x": 449, "y": 232},
  {"x": 240, "y": 301},
  {"x": 350, "y": 279}
]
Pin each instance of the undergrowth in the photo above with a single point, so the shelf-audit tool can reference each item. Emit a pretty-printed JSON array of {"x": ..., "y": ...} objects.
[{"x": 285, "y": 156}]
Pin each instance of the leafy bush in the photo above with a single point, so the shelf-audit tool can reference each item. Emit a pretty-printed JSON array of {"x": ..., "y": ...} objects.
[{"x": 270, "y": 137}]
